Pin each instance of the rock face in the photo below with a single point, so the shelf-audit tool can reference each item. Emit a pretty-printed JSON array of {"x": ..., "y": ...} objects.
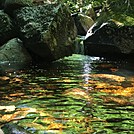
[
  {"x": 48, "y": 31},
  {"x": 110, "y": 40},
  {"x": 13, "y": 51},
  {"x": 6, "y": 28}
]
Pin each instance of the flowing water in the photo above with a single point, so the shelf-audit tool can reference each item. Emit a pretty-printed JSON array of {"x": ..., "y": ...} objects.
[{"x": 74, "y": 95}]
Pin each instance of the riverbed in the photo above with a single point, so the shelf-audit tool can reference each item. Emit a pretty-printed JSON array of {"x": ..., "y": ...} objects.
[{"x": 73, "y": 95}]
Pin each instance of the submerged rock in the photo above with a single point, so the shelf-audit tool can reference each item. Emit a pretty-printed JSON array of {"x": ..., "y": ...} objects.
[
  {"x": 48, "y": 31},
  {"x": 14, "y": 51},
  {"x": 109, "y": 39},
  {"x": 11, "y": 128}
]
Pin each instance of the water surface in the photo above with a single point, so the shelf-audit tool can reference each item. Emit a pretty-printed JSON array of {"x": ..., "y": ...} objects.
[{"x": 74, "y": 95}]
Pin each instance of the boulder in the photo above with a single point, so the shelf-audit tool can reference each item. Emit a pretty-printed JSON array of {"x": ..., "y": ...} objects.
[
  {"x": 109, "y": 39},
  {"x": 48, "y": 31},
  {"x": 83, "y": 23},
  {"x": 14, "y": 51},
  {"x": 6, "y": 28}
]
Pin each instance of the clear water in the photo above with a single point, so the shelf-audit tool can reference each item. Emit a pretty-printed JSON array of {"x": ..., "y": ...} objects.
[{"x": 74, "y": 95}]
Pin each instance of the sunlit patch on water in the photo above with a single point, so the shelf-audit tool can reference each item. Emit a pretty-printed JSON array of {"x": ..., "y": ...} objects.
[{"x": 75, "y": 95}]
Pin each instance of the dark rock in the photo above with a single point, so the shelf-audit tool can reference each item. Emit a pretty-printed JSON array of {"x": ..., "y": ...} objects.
[
  {"x": 11, "y": 5},
  {"x": 6, "y": 28},
  {"x": 14, "y": 51},
  {"x": 2, "y": 4},
  {"x": 48, "y": 31},
  {"x": 80, "y": 29},
  {"x": 109, "y": 39}
]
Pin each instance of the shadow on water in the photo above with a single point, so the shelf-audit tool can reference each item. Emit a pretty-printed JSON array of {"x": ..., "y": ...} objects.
[{"x": 75, "y": 95}]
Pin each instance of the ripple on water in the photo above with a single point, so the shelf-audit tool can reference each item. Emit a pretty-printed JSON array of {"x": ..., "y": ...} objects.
[{"x": 74, "y": 95}]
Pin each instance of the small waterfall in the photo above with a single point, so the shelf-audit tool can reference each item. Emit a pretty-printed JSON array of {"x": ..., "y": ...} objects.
[{"x": 79, "y": 46}]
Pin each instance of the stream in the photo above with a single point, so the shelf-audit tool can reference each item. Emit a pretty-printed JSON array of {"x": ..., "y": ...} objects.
[{"x": 74, "y": 95}]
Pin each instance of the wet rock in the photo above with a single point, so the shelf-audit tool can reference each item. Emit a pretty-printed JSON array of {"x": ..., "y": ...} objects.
[
  {"x": 83, "y": 23},
  {"x": 14, "y": 51},
  {"x": 6, "y": 28},
  {"x": 48, "y": 31},
  {"x": 109, "y": 39},
  {"x": 11, "y": 128}
]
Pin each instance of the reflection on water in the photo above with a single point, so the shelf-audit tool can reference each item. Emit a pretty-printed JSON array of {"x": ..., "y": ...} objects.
[{"x": 75, "y": 95}]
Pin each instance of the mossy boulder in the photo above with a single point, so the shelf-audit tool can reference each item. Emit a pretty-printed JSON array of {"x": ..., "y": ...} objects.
[
  {"x": 14, "y": 51},
  {"x": 6, "y": 28},
  {"x": 48, "y": 31},
  {"x": 113, "y": 32},
  {"x": 110, "y": 40}
]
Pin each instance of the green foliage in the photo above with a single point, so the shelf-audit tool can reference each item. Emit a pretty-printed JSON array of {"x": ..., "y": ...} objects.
[
  {"x": 119, "y": 10},
  {"x": 122, "y": 11}
]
